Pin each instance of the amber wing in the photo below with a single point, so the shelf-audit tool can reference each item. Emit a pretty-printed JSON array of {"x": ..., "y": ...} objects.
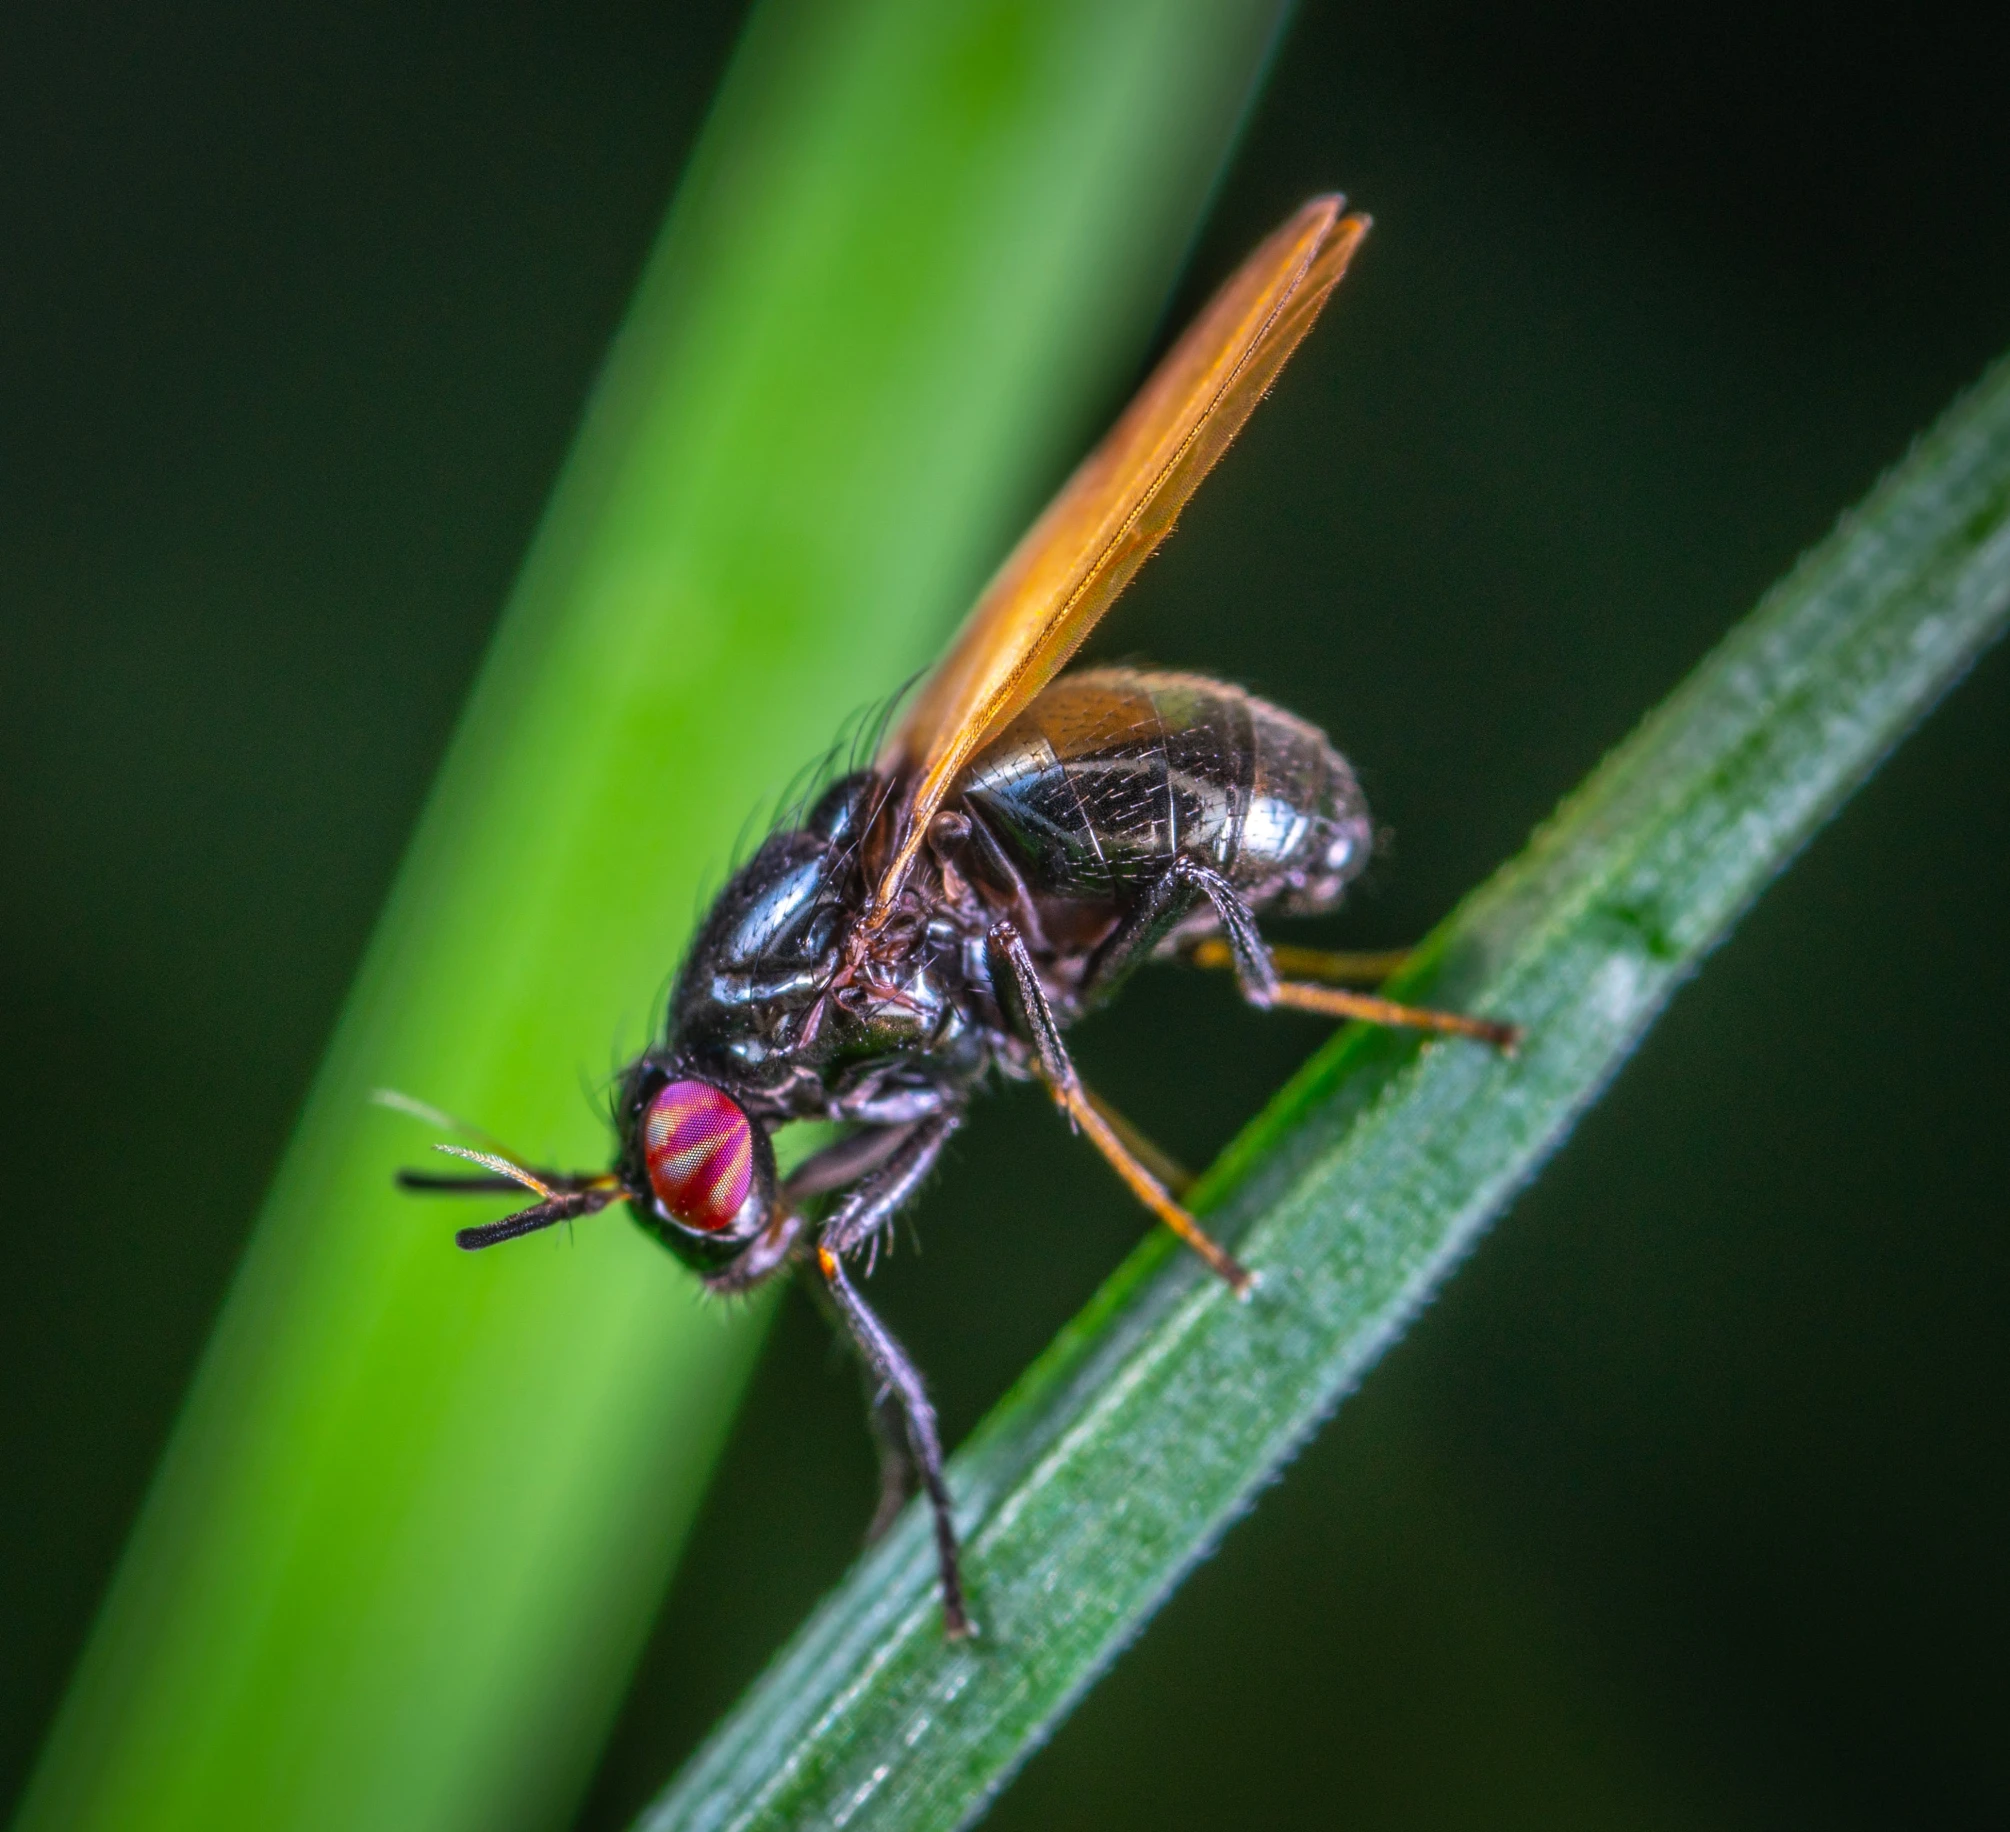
[{"x": 1121, "y": 503}]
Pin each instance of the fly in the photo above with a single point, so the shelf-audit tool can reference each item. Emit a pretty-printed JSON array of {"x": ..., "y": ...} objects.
[{"x": 1023, "y": 840}]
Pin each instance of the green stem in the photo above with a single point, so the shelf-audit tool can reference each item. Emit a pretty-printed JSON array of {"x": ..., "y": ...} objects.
[
  {"x": 419, "y": 1507},
  {"x": 1154, "y": 1419}
]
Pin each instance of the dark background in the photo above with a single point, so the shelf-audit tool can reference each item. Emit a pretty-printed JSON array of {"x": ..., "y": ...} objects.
[{"x": 1686, "y": 1504}]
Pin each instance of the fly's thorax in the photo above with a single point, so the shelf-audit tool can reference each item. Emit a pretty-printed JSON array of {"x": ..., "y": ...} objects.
[
  {"x": 795, "y": 1010},
  {"x": 746, "y": 1001},
  {"x": 916, "y": 992}
]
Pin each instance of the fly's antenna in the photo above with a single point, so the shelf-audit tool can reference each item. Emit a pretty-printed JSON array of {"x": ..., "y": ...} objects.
[
  {"x": 506, "y": 1167},
  {"x": 562, "y": 1197},
  {"x": 569, "y": 1200}
]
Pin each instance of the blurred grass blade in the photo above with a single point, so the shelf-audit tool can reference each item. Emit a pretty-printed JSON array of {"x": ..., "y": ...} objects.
[
  {"x": 419, "y": 1507},
  {"x": 1154, "y": 1419}
]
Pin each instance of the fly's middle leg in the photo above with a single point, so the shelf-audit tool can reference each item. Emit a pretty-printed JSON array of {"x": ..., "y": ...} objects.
[{"x": 1025, "y": 1002}]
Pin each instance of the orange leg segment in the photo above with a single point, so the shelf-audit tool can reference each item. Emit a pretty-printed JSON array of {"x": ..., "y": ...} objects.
[
  {"x": 1331, "y": 966},
  {"x": 1148, "y": 1152},
  {"x": 1307, "y": 965},
  {"x": 1075, "y": 1101},
  {"x": 1332, "y": 1002},
  {"x": 1019, "y": 982}
]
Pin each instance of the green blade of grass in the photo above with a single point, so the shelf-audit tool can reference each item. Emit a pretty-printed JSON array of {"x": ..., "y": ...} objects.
[
  {"x": 418, "y": 1509},
  {"x": 1154, "y": 1418}
]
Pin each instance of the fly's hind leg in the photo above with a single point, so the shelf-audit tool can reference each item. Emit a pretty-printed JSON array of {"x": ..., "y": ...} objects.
[
  {"x": 1024, "y": 999},
  {"x": 1148, "y": 1152},
  {"x": 1328, "y": 966},
  {"x": 1256, "y": 973}
]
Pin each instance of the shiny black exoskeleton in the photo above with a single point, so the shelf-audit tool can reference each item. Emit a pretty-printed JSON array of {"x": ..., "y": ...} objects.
[
  {"x": 1027, "y": 839},
  {"x": 1122, "y": 815}
]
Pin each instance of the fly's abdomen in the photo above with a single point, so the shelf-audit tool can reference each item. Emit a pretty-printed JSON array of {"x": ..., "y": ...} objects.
[{"x": 1112, "y": 773}]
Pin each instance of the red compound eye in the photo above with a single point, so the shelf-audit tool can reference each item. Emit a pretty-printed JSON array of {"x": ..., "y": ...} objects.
[{"x": 699, "y": 1148}]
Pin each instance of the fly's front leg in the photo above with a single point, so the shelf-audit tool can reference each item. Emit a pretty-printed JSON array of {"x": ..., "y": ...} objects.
[
  {"x": 886, "y": 1163},
  {"x": 842, "y": 1161},
  {"x": 897, "y": 1406},
  {"x": 1024, "y": 999},
  {"x": 877, "y": 1197},
  {"x": 898, "y": 1378},
  {"x": 898, "y": 1479}
]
